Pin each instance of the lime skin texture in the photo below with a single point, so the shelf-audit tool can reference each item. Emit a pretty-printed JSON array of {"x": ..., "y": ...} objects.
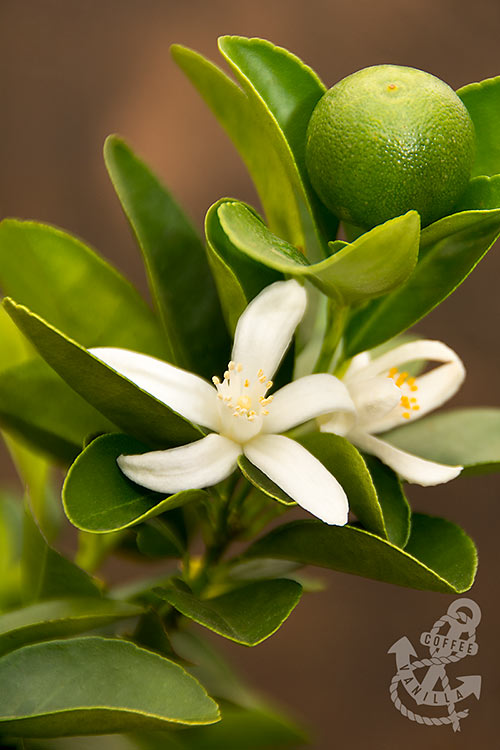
[{"x": 388, "y": 139}]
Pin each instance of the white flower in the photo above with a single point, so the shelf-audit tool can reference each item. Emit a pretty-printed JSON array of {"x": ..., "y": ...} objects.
[
  {"x": 243, "y": 418},
  {"x": 385, "y": 398}
]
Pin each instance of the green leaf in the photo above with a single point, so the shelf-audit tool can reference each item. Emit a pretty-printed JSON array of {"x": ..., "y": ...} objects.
[
  {"x": 130, "y": 408},
  {"x": 260, "y": 480},
  {"x": 481, "y": 193},
  {"x": 256, "y": 123},
  {"x": 238, "y": 278},
  {"x": 37, "y": 406},
  {"x": 346, "y": 464},
  {"x": 46, "y": 573},
  {"x": 11, "y": 530},
  {"x": 395, "y": 507},
  {"x": 284, "y": 92},
  {"x": 96, "y": 686},
  {"x": 175, "y": 259},
  {"x": 57, "y": 275},
  {"x": 254, "y": 728},
  {"x": 58, "y": 618},
  {"x": 463, "y": 437},
  {"x": 483, "y": 103},
  {"x": 449, "y": 250},
  {"x": 99, "y": 498},
  {"x": 247, "y": 615},
  {"x": 375, "y": 263},
  {"x": 439, "y": 555}
]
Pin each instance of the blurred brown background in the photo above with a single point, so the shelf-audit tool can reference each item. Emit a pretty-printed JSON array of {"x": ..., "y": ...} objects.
[{"x": 72, "y": 71}]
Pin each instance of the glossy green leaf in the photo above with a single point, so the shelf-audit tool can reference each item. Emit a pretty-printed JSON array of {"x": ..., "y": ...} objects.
[
  {"x": 98, "y": 497},
  {"x": 58, "y": 618},
  {"x": 56, "y": 275},
  {"x": 483, "y": 103},
  {"x": 256, "y": 127},
  {"x": 375, "y": 263},
  {"x": 284, "y": 92},
  {"x": 77, "y": 686},
  {"x": 175, "y": 259},
  {"x": 481, "y": 193},
  {"x": 395, "y": 507},
  {"x": 262, "y": 482},
  {"x": 132, "y": 409},
  {"x": 439, "y": 555},
  {"x": 37, "y": 406},
  {"x": 449, "y": 250},
  {"x": 46, "y": 573},
  {"x": 238, "y": 277},
  {"x": 254, "y": 728},
  {"x": 463, "y": 437},
  {"x": 346, "y": 464},
  {"x": 247, "y": 615}
]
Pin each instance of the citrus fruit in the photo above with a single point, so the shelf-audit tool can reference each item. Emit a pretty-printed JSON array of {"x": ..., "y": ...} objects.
[{"x": 386, "y": 140}]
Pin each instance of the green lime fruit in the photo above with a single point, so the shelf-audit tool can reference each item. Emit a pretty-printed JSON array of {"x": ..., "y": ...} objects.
[{"x": 386, "y": 140}]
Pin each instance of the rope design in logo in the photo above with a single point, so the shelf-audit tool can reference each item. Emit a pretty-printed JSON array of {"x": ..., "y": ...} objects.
[{"x": 443, "y": 650}]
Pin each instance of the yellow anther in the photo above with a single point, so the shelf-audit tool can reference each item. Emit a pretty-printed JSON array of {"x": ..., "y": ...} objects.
[
  {"x": 401, "y": 379},
  {"x": 393, "y": 371},
  {"x": 415, "y": 408},
  {"x": 411, "y": 381},
  {"x": 406, "y": 415},
  {"x": 260, "y": 373},
  {"x": 246, "y": 383},
  {"x": 262, "y": 379},
  {"x": 414, "y": 388},
  {"x": 413, "y": 401},
  {"x": 227, "y": 375},
  {"x": 216, "y": 380},
  {"x": 269, "y": 384},
  {"x": 231, "y": 365},
  {"x": 265, "y": 412},
  {"x": 405, "y": 402},
  {"x": 252, "y": 413},
  {"x": 239, "y": 367}
]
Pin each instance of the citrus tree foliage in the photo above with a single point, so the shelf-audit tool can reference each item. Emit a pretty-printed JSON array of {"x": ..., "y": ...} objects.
[{"x": 162, "y": 442}]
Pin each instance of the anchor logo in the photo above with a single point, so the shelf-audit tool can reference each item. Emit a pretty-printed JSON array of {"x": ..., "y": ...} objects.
[{"x": 434, "y": 689}]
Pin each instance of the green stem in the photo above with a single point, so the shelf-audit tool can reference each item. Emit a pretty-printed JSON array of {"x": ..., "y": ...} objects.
[{"x": 336, "y": 320}]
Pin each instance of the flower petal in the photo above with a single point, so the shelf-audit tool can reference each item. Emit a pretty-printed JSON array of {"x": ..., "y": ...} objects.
[
  {"x": 411, "y": 468},
  {"x": 300, "y": 475},
  {"x": 307, "y": 398},
  {"x": 432, "y": 351},
  {"x": 265, "y": 328},
  {"x": 192, "y": 466},
  {"x": 189, "y": 395},
  {"x": 374, "y": 398}
]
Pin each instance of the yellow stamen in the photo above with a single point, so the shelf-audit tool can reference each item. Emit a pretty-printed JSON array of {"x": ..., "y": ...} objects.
[
  {"x": 246, "y": 383},
  {"x": 405, "y": 402},
  {"x": 406, "y": 415},
  {"x": 269, "y": 384},
  {"x": 401, "y": 379},
  {"x": 415, "y": 408},
  {"x": 393, "y": 371},
  {"x": 216, "y": 380},
  {"x": 231, "y": 365},
  {"x": 411, "y": 381},
  {"x": 239, "y": 367}
]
